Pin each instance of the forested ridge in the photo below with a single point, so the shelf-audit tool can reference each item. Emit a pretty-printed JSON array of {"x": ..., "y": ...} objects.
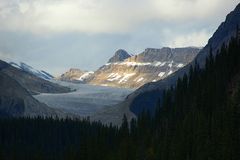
[{"x": 199, "y": 119}]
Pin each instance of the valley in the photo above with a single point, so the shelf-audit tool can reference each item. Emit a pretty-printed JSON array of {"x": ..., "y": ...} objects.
[
  {"x": 88, "y": 101},
  {"x": 64, "y": 94}
]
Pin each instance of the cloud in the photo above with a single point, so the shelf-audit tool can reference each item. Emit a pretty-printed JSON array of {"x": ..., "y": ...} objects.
[
  {"x": 197, "y": 39},
  {"x": 100, "y": 16},
  {"x": 75, "y": 32}
]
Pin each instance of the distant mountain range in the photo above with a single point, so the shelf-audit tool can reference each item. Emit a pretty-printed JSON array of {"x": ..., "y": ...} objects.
[{"x": 128, "y": 71}]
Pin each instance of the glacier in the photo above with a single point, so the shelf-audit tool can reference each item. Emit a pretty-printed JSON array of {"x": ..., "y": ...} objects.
[{"x": 86, "y": 100}]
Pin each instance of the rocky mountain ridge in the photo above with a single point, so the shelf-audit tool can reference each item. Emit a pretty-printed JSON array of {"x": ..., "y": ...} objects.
[
  {"x": 148, "y": 66},
  {"x": 133, "y": 71}
]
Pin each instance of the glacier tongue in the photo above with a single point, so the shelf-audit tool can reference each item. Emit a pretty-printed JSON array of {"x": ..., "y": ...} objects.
[{"x": 87, "y": 100}]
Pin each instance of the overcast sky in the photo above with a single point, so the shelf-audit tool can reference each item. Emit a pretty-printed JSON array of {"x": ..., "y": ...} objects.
[{"x": 55, "y": 35}]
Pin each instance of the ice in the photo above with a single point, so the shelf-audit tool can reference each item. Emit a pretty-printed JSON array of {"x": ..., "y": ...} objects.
[
  {"x": 170, "y": 65},
  {"x": 140, "y": 79},
  {"x": 163, "y": 64},
  {"x": 133, "y": 63},
  {"x": 126, "y": 77},
  {"x": 170, "y": 72},
  {"x": 161, "y": 74},
  {"x": 87, "y": 100},
  {"x": 180, "y": 65},
  {"x": 158, "y": 63},
  {"x": 15, "y": 65},
  {"x": 107, "y": 64},
  {"x": 113, "y": 77}
]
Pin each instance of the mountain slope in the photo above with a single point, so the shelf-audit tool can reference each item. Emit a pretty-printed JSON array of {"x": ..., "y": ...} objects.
[
  {"x": 138, "y": 100},
  {"x": 31, "y": 70},
  {"x": 15, "y": 101},
  {"x": 31, "y": 82},
  {"x": 148, "y": 66}
]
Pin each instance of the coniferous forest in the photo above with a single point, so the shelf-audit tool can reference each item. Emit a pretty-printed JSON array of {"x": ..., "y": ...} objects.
[{"x": 199, "y": 119}]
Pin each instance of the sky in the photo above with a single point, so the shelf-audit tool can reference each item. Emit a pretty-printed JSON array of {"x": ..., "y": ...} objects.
[{"x": 56, "y": 35}]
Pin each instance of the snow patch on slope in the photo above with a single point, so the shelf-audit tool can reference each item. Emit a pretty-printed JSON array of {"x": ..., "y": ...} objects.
[
  {"x": 170, "y": 72},
  {"x": 180, "y": 65},
  {"x": 85, "y": 76},
  {"x": 31, "y": 70},
  {"x": 161, "y": 74},
  {"x": 126, "y": 77},
  {"x": 113, "y": 77},
  {"x": 140, "y": 79},
  {"x": 155, "y": 64}
]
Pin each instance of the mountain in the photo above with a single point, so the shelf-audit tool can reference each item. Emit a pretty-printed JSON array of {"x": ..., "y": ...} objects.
[
  {"x": 199, "y": 119},
  {"x": 31, "y": 70},
  {"x": 148, "y": 66},
  {"x": 119, "y": 56},
  {"x": 16, "y": 101},
  {"x": 29, "y": 81},
  {"x": 75, "y": 75},
  {"x": 202, "y": 110},
  {"x": 147, "y": 96}
]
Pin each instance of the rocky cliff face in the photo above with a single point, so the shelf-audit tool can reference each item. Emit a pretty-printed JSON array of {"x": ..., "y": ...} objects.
[
  {"x": 149, "y": 66},
  {"x": 29, "y": 81},
  {"x": 151, "y": 92},
  {"x": 166, "y": 54}
]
